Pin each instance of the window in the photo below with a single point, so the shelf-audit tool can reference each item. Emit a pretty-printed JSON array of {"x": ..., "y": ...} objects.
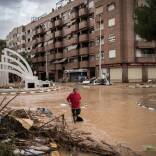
[
  {"x": 111, "y": 7},
  {"x": 146, "y": 52},
  {"x": 66, "y": 15},
  {"x": 98, "y": 26},
  {"x": 111, "y": 38},
  {"x": 112, "y": 53},
  {"x": 138, "y": 53},
  {"x": 92, "y": 58},
  {"x": 102, "y": 55},
  {"x": 98, "y": 40},
  {"x": 99, "y": 10},
  {"x": 72, "y": 47},
  {"x": 48, "y": 32},
  {"x": 138, "y": 38},
  {"x": 51, "y": 41},
  {"x": 91, "y": 4},
  {"x": 91, "y": 43},
  {"x": 111, "y": 22}
]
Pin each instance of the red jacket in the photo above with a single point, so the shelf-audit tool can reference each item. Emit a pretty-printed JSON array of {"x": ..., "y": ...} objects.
[{"x": 74, "y": 99}]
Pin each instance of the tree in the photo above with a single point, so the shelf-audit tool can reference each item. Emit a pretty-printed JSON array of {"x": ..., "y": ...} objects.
[
  {"x": 145, "y": 20},
  {"x": 2, "y": 45}
]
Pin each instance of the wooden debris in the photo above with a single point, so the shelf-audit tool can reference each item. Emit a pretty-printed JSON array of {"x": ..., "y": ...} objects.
[{"x": 41, "y": 136}]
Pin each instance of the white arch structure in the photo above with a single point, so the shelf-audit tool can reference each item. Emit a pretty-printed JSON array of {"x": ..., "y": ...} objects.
[{"x": 12, "y": 62}]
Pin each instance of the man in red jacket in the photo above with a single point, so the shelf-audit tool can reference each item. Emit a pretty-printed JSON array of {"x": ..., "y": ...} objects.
[{"x": 74, "y": 100}]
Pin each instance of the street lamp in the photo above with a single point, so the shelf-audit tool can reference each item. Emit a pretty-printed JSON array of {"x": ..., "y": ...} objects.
[
  {"x": 47, "y": 72},
  {"x": 100, "y": 48}
]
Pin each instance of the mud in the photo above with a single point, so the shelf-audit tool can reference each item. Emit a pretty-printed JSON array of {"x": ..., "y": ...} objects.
[{"x": 109, "y": 111}]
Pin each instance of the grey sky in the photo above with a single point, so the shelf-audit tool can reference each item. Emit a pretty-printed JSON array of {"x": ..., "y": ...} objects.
[{"x": 14, "y": 13}]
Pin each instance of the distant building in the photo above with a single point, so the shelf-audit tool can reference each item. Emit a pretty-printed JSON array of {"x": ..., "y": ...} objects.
[{"x": 67, "y": 39}]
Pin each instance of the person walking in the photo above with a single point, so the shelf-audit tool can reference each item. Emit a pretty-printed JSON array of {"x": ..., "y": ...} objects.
[{"x": 74, "y": 99}]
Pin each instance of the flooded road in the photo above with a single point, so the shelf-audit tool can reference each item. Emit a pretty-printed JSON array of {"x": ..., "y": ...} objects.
[{"x": 108, "y": 111}]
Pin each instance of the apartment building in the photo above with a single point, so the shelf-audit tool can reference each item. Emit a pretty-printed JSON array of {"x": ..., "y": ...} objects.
[{"x": 66, "y": 42}]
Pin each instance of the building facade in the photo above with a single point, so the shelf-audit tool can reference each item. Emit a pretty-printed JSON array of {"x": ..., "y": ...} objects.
[{"x": 67, "y": 41}]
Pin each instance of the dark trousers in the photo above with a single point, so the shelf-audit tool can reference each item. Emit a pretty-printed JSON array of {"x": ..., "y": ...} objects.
[{"x": 76, "y": 113}]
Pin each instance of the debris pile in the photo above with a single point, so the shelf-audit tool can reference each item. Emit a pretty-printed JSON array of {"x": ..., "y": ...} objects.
[
  {"x": 16, "y": 129},
  {"x": 39, "y": 132},
  {"x": 31, "y": 132},
  {"x": 142, "y": 85}
]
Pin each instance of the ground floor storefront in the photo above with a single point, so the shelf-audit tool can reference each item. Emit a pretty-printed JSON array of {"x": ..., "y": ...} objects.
[
  {"x": 131, "y": 73},
  {"x": 116, "y": 73}
]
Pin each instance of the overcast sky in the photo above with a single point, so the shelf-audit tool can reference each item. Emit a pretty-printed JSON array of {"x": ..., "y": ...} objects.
[{"x": 14, "y": 13}]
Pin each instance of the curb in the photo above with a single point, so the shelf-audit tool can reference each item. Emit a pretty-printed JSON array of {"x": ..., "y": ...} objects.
[{"x": 31, "y": 92}]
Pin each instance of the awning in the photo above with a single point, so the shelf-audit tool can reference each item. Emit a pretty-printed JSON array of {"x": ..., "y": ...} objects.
[
  {"x": 76, "y": 71},
  {"x": 60, "y": 61}
]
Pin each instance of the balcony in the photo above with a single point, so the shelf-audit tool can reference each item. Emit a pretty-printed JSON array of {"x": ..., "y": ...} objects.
[
  {"x": 49, "y": 36},
  {"x": 91, "y": 23},
  {"x": 59, "y": 55},
  {"x": 97, "y": 32},
  {"x": 83, "y": 12},
  {"x": 58, "y": 44},
  {"x": 74, "y": 28},
  {"x": 92, "y": 36},
  {"x": 41, "y": 59},
  {"x": 71, "y": 53},
  {"x": 74, "y": 40},
  {"x": 59, "y": 66},
  {"x": 148, "y": 58},
  {"x": 49, "y": 47},
  {"x": 74, "y": 15},
  {"x": 91, "y": 10},
  {"x": 40, "y": 40},
  {"x": 51, "y": 57},
  {"x": 40, "y": 31},
  {"x": 40, "y": 49},
  {"x": 58, "y": 23},
  {"x": 35, "y": 50},
  {"x": 93, "y": 50},
  {"x": 51, "y": 25},
  {"x": 58, "y": 33},
  {"x": 34, "y": 60},
  {"x": 66, "y": 43},
  {"x": 51, "y": 67},
  {"x": 35, "y": 42},
  {"x": 72, "y": 65},
  {"x": 34, "y": 32},
  {"x": 92, "y": 63},
  {"x": 144, "y": 44},
  {"x": 83, "y": 24},
  {"x": 83, "y": 38},
  {"x": 84, "y": 64},
  {"x": 41, "y": 68},
  {"x": 97, "y": 18},
  {"x": 66, "y": 31},
  {"x": 83, "y": 51}
]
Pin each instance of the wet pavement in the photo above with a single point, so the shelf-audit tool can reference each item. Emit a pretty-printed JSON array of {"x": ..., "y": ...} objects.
[{"x": 111, "y": 112}]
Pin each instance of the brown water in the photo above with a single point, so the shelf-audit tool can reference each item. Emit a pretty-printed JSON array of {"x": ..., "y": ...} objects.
[{"x": 108, "y": 111}]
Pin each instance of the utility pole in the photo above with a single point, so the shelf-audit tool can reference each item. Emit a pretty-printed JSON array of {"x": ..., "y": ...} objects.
[{"x": 100, "y": 48}]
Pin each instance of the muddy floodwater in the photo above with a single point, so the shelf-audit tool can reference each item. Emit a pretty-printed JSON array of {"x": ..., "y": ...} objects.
[{"x": 108, "y": 111}]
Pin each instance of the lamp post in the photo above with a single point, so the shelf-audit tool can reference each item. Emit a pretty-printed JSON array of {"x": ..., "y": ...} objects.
[
  {"x": 100, "y": 48},
  {"x": 47, "y": 72}
]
